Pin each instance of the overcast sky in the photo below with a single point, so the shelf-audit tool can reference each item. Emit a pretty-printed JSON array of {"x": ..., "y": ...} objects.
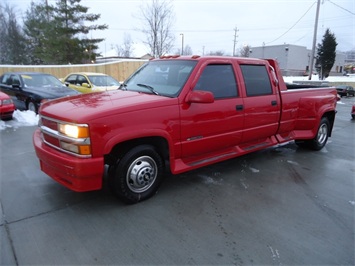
[{"x": 209, "y": 25}]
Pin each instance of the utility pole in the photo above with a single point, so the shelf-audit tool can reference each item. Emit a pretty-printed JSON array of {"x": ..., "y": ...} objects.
[
  {"x": 314, "y": 42},
  {"x": 182, "y": 43},
  {"x": 235, "y": 39}
]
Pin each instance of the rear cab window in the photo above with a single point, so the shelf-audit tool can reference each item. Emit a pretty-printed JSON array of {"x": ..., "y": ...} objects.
[{"x": 256, "y": 80}]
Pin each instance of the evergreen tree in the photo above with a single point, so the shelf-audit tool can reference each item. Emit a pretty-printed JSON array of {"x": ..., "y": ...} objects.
[
  {"x": 58, "y": 34},
  {"x": 38, "y": 30},
  {"x": 326, "y": 54},
  {"x": 12, "y": 44}
]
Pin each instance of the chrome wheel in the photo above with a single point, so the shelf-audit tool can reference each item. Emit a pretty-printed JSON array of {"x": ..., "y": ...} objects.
[
  {"x": 322, "y": 134},
  {"x": 137, "y": 174},
  {"x": 141, "y": 174}
]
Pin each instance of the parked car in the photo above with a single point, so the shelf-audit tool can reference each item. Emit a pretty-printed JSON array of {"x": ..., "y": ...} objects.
[
  {"x": 353, "y": 111},
  {"x": 86, "y": 82},
  {"x": 7, "y": 106},
  {"x": 28, "y": 89},
  {"x": 345, "y": 90}
]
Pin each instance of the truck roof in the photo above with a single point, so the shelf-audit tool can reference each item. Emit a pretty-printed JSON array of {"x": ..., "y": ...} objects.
[{"x": 211, "y": 57}]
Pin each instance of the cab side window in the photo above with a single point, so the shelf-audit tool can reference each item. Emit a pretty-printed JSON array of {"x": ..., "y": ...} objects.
[
  {"x": 256, "y": 79},
  {"x": 71, "y": 79},
  {"x": 81, "y": 80},
  {"x": 15, "y": 80},
  {"x": 218, "y": 79}
]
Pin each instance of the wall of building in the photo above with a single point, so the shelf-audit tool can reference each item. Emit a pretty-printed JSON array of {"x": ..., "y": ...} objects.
[{"x": 294, "y": 59}]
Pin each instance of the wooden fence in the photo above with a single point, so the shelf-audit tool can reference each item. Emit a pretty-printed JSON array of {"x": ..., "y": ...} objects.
[{"x": 120, "y": 70}]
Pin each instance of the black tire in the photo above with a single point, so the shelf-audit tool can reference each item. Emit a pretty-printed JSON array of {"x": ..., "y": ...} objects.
[
  {"x": 137, "y": 175},
  {"x": 353, "y": 116},
  {"x": 32, "y": 106},
  {"x": 321, "y": 138}
]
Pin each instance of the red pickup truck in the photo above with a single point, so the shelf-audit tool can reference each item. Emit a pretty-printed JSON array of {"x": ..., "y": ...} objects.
[{"x": 177, "y": 114}]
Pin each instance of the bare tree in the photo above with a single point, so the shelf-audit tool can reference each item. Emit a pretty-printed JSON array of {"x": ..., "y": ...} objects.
[
  {"x": 218, "y": 53},
  {"x": 127, "y": 45},
  {"x": 126, "y": 49},
  {"x": 158, "y": 17},
  {"x": 187, "y": 50},
  {"x": 244, "y": 51}
]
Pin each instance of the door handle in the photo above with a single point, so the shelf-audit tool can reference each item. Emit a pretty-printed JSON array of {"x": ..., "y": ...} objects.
[
  {"x": 239, "y": 107},
  {"x": 273, "y": 103}
]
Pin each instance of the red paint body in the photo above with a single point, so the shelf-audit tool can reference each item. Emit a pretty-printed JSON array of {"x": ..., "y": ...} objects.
[
  {"x": 7, "y": 106},
  {"x": 196, "y": 129}
]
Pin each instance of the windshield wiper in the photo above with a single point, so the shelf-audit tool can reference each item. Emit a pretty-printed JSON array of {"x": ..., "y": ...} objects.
[{"x": 148, "y": 87}]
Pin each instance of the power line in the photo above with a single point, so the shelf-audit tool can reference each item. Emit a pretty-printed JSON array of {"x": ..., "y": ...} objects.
[
  {"x": 352, "y": 13},
  {"x": 293, "y": 24}
]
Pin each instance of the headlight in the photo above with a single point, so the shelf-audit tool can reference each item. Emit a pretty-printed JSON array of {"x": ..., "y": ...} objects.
[
  {"x": 5, "y": 102},
  {"x": 74, "y": 131}
]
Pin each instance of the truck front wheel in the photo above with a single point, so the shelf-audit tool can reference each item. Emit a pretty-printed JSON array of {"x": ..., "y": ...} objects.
[
  {"x": 137, "y": 175},
  {"x": 321, "y": 138}
]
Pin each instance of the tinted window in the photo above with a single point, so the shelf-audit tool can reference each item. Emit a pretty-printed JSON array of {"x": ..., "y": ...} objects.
[
  {"x": 81, "y": 80},
  {"x": 6, "y": 79},
  {"x": 71, "y": 79},
  {"x": 257, "y": 81},
  {"x": 218, "y": 79}
]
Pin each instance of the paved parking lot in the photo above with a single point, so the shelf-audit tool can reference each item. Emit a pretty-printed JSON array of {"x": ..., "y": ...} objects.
[{"x": 280, "y": 206}]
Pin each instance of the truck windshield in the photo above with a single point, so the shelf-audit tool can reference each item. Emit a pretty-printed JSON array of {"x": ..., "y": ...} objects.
[{"x": 161, "y": 77}]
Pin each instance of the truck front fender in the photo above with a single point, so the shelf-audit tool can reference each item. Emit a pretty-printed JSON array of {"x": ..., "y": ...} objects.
[{"x": 146, "y": 136}]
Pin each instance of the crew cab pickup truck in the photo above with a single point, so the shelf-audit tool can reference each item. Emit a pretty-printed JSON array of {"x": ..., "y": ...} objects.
[{"x": 175, "y": 114}]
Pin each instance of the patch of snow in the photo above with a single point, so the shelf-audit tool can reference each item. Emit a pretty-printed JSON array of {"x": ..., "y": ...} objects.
[
  {"x": 324, "y": 150},
  {"x": 243, "y": 183},
  {"x": 254, "y": 170},
  {"x": 352, "y": 202},
  {"x": 292, "y": 162},
  {"x": 209, "y": 180},
  {"x": 20, "y": 119}
]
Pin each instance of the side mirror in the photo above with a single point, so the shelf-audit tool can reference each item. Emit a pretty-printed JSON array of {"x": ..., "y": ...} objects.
[
  {"x": 198, "y": 96},
  {"x": 87, "y": 85}
]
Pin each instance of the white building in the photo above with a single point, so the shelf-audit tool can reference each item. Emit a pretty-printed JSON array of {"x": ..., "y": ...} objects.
[{"x": 294, "y": 60}]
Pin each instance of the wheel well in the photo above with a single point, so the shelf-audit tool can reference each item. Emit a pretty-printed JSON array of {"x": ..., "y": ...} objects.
[
  {"x": 159, "y": 143},
  {"x": 331, "y": 118}
]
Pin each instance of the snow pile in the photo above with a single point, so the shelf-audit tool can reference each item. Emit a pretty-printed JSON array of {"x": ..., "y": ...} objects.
[{"x": 20, "y": 119}]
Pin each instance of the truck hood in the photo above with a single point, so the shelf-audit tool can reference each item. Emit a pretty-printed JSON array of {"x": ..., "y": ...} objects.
[{"x": 87, "y": 107}]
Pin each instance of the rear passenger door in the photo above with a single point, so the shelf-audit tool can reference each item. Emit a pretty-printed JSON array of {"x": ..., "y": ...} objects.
[
  {"x": 261, "y": 103},
  {"x": 209, "y": 129}
]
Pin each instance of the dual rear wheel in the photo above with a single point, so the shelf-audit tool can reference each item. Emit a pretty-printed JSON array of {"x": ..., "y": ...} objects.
[{"x": 321, "y": 138}]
